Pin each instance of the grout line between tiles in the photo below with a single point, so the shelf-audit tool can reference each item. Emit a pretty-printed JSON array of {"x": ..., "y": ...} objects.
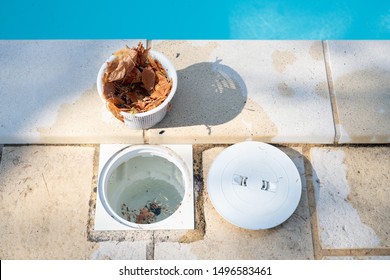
[
  {"x": 92, "y": 198},
  {"x": 1, "y": 151},
  {"x": 333, "y": 101},
  {"x": 145, "y": 136},
  {"x": 317, "y": 250},
  {"x": 364, "y": 252},
  {"x": 150, "y": 248}
]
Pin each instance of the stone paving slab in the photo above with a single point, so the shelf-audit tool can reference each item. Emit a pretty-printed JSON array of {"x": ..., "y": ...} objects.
[
  {"x": 48, "y": 93},
  {"x": 124, "y": 250},
  {"x": 44, "y": 194},
  {"x": 222, "y": 240},
  {"x": 361, "y": 80},
  {"x": 353, "y": 196},
  {"x": 230, "y": 91},
  {"x": 44, "y": 201}
]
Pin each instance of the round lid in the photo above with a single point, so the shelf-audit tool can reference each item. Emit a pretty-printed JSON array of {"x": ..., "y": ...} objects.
[{"x": 254, "y": 185}]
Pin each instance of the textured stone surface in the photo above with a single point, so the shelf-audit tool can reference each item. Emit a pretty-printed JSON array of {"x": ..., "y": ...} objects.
[
  {"x": 44, "y": 194},
  {"x": 290, "y": 240},
  {"x": 353, "y": 196},
  {"x": 124, "y": 250},
  {"x": 361, "y": 79},
  {"x": 48, "y": 93},
  {"x": 358, "y": 258},
  {"x": 258, "y": 93}
]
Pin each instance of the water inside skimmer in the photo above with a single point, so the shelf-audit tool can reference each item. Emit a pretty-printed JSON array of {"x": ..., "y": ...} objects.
[{"x": 148, "y": 201}]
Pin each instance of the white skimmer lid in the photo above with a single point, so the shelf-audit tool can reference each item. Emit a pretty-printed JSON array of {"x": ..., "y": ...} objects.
[{"x": 254, "y": 185}]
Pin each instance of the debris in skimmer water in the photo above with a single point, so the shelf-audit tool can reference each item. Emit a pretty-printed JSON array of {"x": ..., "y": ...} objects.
[{"x": 148, "y": 214}]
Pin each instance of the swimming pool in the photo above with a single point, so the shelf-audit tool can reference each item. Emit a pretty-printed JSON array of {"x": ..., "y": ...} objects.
[{"x": 201, "y": 19}]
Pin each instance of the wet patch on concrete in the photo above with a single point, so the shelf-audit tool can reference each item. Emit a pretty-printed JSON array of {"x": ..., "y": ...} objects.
[
  {"x": 282, "y": 59},
  {"x": 363, "y": 100},
  {"x": 340, "y": 224},
  {"x": 73, "y": 116},
  {"x": 75, "y": 124},
  {"x": 347, "y": 138},
  {"x": 316, "y": 51},
  {"x": 368, "y": 174},
  {"x": 322, "y": 89},
  {"x": 285, "y": 90}
]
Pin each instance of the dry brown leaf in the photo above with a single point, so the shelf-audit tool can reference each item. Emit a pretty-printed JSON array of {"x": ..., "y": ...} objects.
[
  {"x": 167, "y": 89},
  {"x": 115, "y": 111},
  {"x": 160, "y": 68},
  {"x": 142, "y": 54},
  {"x": 155, "y": 104},
  {"x": 141, "y": 104},
  {"x": 108, "y": 90},
  {"x": 158, "y": 93},
  {"x": 111, "y": 66},
  {"x": 133, "y": 97},
  {"x": 134, "y": 76},
  {"x": 129, "y": 64},
  {"x": 162, "y": 88},
  {"x": 152, "y": 63},
  {"x": 148, "y": 78},
  {"x": 122, "y": 65},
  {"x": 118, "y": 73},
  {"x": 116, "y": 101},
  {"x": 126, "y": 52}
]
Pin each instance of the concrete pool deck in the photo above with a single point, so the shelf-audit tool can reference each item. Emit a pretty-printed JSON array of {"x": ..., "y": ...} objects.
[{"x": 324, "y": 103}]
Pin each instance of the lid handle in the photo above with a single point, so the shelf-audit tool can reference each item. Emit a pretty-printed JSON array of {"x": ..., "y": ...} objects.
[
  {"x": 239, "y": 180},
  {"x": 263, "y": 185},
  {"x": 268, "y": 186}
]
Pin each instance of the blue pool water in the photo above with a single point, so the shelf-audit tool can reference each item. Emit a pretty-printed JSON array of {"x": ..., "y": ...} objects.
[{"x": 200, "y": 19}]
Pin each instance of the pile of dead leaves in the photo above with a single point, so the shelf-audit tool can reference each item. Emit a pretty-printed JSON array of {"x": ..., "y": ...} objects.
[{"x": 134, "y": 82}]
